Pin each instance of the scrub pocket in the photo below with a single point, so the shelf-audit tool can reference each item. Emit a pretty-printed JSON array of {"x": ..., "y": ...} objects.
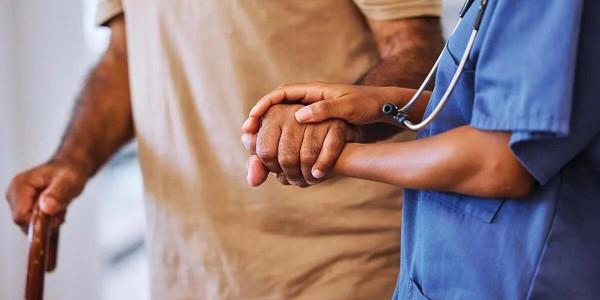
[
  {"x": 483, "y": 209},
  {"x": 414, "y": 292}
]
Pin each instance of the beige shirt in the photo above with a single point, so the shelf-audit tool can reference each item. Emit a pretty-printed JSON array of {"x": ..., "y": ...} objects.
[{"x": 196, "y": 68}]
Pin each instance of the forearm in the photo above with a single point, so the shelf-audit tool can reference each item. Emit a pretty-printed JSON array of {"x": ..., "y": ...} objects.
[
  {"x": 101, "y": 121},
  {"x": 408, "y": 49},
  {"x": 464, "y": 160}
]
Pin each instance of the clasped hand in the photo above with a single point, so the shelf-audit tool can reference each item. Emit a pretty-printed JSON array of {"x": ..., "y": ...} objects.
[
  {"x": 298, "y": 154},
  {"x": 300, "y": 144}
]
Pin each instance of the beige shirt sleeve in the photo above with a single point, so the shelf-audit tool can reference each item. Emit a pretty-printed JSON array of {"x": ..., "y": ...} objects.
[
  {"x": 107, "y": 9},
  {"x": 382, "y": 10}
]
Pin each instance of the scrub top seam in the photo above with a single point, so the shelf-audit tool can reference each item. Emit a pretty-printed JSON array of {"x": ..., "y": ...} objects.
[
  {"x": 439, "y": 199},
  {"x": 541, "y": 255}
]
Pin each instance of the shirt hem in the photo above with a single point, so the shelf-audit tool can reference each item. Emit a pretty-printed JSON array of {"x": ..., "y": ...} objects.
[{"x": 399, "y": 11}]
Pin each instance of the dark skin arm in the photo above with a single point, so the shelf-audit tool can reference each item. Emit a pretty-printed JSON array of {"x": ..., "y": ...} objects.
[
  {"x": 101, "y": 123},
  {"x": 408, "y": 48},
  {"x": 464, "y": 160}
]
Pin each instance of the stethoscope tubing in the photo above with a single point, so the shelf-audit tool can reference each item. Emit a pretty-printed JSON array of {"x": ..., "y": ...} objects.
[{"x": 401, "y": 115}]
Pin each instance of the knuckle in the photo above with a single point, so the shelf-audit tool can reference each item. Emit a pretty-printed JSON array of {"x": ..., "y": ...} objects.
[
  {"x": 288, "y": 156},
  {"x": 324, "y": 107},
  {"x": 310, "y": 154},
  {"x": 19, "y": 218},
  {"x": 337, "y": 136},
  {"x": 353, "y": 114},
  {"x": 266, "y": 156},
  {"x": 273, "y": 111},
  {"x": 295, "y": 178},
  {"x": 263, "y": 151},
  {"x": 69, "y": 176},
  {"x": 17, "y": 180},
  {"x": 287, "y": 161}
]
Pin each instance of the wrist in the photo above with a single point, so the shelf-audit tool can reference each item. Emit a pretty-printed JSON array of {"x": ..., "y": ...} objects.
[
  {"x": 77, "y": 161},
  {"x": 341, "y": 167}
]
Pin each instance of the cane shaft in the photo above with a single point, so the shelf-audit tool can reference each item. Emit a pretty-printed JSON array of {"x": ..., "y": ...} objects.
[{"x": 38, "y": 255}]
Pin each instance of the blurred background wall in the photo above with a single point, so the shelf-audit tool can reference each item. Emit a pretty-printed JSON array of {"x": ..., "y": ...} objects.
[{"x": 46, "y": 49}]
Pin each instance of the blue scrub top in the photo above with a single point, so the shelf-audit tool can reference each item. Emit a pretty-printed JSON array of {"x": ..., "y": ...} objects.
[{"x": 534, "y": 71}]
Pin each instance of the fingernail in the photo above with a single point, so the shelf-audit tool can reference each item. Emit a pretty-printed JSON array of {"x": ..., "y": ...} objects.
[
  {"x": 253, "y": 111},
  {"x": 49, "y": 204},
  {"x": 245, "y": 140},
  {"x": 304, "y": 114},
  {"x": 245, "y": 124},
  {"x": 317, "y": 173}
]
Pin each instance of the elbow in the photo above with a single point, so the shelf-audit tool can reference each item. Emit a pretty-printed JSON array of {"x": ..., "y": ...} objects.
[
  {"x": 514, "y": 186},
  {"x": 509, "y": 180}
]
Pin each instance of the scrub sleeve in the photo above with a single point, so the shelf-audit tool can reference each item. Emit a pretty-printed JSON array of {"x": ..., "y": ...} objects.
[{"x": 527, "y": 87}]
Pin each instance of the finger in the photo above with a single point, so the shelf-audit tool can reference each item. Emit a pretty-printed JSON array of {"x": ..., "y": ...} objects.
[
  {"x": 267, "y": 143},
  {"x": 328, "y": 109},
  {"x": 59, "y": 193},
  {"x": 21, "y": 196},
  {"x": 289, "y": 153},
  {"x": 257, "y": 174},
  {"x": 332, "y": 147},
  {"x": 281, "y": 178},
  {"x": 300, "y": 93},
  {"x": 312, "y": 143},
  {"x": 249, "y": 141}
]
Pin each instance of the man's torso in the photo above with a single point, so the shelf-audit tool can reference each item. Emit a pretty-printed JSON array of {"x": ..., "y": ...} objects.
[{"x": 196, "y": 68}]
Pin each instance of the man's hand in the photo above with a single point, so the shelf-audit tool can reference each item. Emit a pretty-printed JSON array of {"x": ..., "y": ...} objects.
[
  {"x": 55, "y": 184},
  {"x": 301, "y": 154}
]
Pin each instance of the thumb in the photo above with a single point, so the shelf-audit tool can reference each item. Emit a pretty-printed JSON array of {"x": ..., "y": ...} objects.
[
  {"x": 257, "y": 173},
  {"x": 56, "y": 196},
  {"x": 249, "y": 141},
  {"x": 326, "y": 109}
]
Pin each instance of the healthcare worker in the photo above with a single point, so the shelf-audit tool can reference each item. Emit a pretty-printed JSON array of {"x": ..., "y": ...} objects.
[{"x": 503, "y": 187}]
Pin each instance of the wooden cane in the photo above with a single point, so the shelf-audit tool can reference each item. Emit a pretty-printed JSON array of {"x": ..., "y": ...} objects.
[{"x": 42, "y": 253}]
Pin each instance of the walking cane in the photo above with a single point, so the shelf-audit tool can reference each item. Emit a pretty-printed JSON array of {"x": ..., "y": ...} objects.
[{"x": 43, "y": 247}]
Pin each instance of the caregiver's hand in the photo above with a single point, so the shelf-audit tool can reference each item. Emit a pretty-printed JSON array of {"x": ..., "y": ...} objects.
[
  {"x": 301, "y": 154},
  {"x": 352, "y": 103}
]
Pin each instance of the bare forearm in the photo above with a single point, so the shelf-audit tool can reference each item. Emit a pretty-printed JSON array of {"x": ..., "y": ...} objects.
[
  {"x": 408, "y": 49},
  {"x": 464, "y": 160},
  {"x": 101, "y": 122}
]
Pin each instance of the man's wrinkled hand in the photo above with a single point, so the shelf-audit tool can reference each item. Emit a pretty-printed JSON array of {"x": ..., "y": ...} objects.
[
  {"x": 54, "y": 184},
  {"x": 299, "y": 154}
]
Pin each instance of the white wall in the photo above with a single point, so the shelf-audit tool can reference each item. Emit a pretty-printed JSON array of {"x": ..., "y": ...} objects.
[
  {"x": 43, "y": 59},
  {"x": 10, "y": 241}
]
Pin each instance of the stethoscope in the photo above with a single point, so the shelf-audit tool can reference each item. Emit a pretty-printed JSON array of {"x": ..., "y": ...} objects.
[{"x": 401, "y": 115}]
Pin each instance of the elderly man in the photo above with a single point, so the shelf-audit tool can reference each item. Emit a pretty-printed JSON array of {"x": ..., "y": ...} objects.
[{"x": 181, "y": 76}]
